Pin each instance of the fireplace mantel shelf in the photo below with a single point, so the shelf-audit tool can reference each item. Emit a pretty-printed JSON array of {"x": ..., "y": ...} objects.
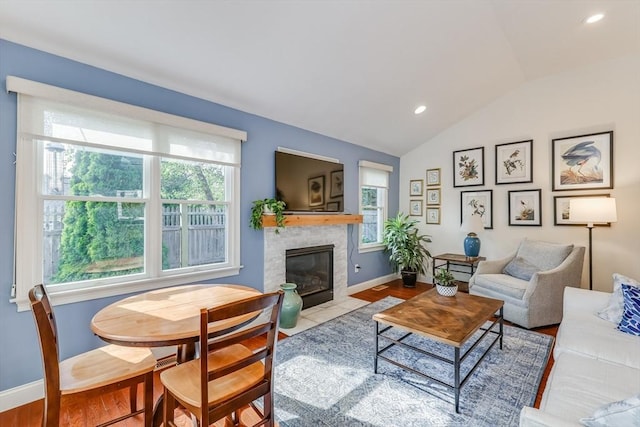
[{"x": 312, "y": 220}]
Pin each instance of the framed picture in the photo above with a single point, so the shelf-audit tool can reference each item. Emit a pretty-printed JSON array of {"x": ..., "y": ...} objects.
[
  {"x": 316, "y": 191},
  {"x": 433, "y": 215},
  {"x": 582, "y": 162},
  {"x": 514, "y": 162},
  {"x": 468, "y": 167},
  {"x": 415, "y": 187},
  {"x": 433, "y": 177},
  {"x": 561, "y": 210},
  {"x": 477, "y": 203},
  {"x": 433, "y": 196},
  {"x": 333, "y": 206},
  {"x": 337, "y": 184},
  {"x": 525, "y": 207},
  {"x": 415, "y": 207}
]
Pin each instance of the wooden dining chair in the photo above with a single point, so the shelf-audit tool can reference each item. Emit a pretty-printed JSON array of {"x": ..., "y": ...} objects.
[
  {"x": 93, "y": 373},
  {"x": 228, "y": 376}
]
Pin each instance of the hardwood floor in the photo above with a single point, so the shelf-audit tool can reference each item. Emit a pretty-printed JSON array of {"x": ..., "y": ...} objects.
[{"x": 80, "y": 412}]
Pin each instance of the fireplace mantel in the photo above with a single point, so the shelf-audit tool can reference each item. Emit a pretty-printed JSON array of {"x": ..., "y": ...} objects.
[{"x": 312, "y": 220}]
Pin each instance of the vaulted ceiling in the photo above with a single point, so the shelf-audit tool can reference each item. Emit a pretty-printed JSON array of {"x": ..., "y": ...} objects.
[{"x": 351, "y": 69}]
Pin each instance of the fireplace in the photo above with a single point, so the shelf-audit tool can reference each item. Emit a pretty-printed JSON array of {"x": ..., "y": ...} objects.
[
  {"x": 311, "y": 268},
  {"x": 276, "y": 246}
]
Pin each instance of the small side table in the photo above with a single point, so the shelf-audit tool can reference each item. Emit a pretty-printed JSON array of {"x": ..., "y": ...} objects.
[{"x": 457, "y": 263}]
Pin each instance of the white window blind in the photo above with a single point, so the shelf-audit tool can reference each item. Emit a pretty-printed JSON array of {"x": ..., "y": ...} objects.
[
  {"x": 52, "y": 119},
  {"x": 374, "y": 184}
]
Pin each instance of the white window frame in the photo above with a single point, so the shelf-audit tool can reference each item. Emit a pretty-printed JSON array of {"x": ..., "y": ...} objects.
[
  {"x": 383, "y": 172},
  {"x": 28, "y": 239}
]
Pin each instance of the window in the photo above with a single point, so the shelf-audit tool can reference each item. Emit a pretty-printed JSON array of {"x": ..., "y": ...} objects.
[
  {"x": 127, "y": 198},
  {"x": 374, "y": 187}
]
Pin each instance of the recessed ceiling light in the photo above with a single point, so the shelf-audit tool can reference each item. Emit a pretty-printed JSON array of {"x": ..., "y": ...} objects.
[
  {"x": 594, "y": 18},
  {"x": 420, "y": 109}
]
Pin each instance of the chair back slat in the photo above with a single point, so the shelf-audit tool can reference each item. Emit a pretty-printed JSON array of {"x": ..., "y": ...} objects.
[
  {"x": 264, "y": 354},
  {"x": 234, "y": 338},
  {"x": 245, "y": 306}
]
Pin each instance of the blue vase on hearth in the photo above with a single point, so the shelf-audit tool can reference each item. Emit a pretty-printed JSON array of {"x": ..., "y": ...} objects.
[{"x": 291, "y": 306}]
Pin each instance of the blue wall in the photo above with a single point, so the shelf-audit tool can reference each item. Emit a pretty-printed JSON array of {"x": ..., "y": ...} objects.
[{"x": 19, "y": 354}]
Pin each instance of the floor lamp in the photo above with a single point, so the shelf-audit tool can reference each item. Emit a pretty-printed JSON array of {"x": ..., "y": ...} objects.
[{"x": 592, "y": 210}]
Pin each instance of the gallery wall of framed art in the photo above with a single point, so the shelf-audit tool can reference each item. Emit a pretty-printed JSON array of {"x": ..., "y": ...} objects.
[{"x": 577, "y": 163}]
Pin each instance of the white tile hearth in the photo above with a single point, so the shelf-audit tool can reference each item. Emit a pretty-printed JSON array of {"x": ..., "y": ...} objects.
[{"x": 321, "y": 313}]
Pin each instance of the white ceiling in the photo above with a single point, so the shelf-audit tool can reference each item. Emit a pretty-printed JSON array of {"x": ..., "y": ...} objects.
[{"x": 354, "y": 70}]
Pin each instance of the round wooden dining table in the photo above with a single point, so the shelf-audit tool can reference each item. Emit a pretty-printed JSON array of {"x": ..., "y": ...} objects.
[{"x": 168, "y": 317}]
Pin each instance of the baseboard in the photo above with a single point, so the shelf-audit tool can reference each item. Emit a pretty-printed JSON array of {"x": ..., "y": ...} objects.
[
  {"x": 27, "y": 393},
  {"x": 371, "y": 283},
  {"x": 21, "y": 395}
]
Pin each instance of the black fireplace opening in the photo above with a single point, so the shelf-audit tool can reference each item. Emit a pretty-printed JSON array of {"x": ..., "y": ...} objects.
[{"x": 312, "y": 270}]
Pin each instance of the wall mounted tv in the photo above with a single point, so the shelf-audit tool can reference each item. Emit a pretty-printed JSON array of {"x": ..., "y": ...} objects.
[{"x": 309, "y": 185}]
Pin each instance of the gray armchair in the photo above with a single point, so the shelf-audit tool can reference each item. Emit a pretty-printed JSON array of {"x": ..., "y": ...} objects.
[{"x": 531, "y": 282}]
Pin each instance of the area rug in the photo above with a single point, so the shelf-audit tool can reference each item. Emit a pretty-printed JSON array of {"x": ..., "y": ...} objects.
[{"x": 324, "y": 377}]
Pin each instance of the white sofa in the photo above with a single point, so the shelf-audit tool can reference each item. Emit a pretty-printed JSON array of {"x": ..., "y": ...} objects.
[{"x": 595, "y": 364}]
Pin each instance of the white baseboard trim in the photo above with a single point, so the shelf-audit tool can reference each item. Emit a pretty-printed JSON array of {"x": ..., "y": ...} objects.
[
  {"x": 30, "y": 392},
  {"x": 21, "y": 395},
  {"x": 371, "y": 283},
  {"x": 27, "y": 393}
]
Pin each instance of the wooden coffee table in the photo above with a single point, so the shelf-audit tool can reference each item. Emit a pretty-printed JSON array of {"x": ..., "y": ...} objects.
[{"x": 449, "y": 320}]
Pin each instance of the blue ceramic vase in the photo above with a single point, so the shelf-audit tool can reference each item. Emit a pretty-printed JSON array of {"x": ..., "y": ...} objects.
[
  {"x": 472, "y": 245},
  {"x": 291, "y": 306}
]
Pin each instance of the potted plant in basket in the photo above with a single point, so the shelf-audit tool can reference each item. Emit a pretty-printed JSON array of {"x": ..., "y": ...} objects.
[
  {"x": 445, "y": 283},
  {"x": 407, "y": 253},
  {"x": 267, "y": 207}
]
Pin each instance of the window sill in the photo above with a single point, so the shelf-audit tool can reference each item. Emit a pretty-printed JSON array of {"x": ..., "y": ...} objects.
[
  {"x": 105, "y": 291},
  {"x": 372, "y": 248}
]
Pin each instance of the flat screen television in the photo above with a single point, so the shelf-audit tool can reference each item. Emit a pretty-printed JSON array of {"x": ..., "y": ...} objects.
[{"x": 309, "y": 185}]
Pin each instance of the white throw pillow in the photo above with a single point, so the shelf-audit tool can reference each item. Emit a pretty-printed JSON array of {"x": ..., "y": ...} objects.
[
  {"x": 615, "y": 307},
  {"x": 623, "y": 413}
]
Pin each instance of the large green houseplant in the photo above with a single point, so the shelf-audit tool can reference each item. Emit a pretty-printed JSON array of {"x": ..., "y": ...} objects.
[
  {"x": 267, "y": 207},
  {"x": 405, "y": 246}
]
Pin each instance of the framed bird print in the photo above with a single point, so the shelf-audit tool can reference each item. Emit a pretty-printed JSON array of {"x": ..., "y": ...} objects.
[
  {"x": 477, "y": 203},
  {"x": 561, "y": 210},
  {"x": 514, "y": 162},
  {"x": 582, "y": 162},
  {"x": 525, "y": 207}
]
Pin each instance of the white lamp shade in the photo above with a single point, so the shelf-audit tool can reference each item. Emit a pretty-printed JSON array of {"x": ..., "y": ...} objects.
[
  {"x": 472, "y": 224},
  {"x": 593, "y": 209}
]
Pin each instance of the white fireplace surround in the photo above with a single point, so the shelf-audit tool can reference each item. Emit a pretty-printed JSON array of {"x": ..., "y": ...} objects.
[{"x": 276, "y": 245}]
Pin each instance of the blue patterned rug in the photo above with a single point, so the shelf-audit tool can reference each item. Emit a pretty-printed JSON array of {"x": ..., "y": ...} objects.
[{"x": 324, "y": 377}]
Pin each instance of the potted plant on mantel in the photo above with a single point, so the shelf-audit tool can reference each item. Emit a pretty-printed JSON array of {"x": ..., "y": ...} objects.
[
  {"x": 446, "y": 284},
  {"x": 405, "y": 247},
  {"x": 267, "y": 207}
]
